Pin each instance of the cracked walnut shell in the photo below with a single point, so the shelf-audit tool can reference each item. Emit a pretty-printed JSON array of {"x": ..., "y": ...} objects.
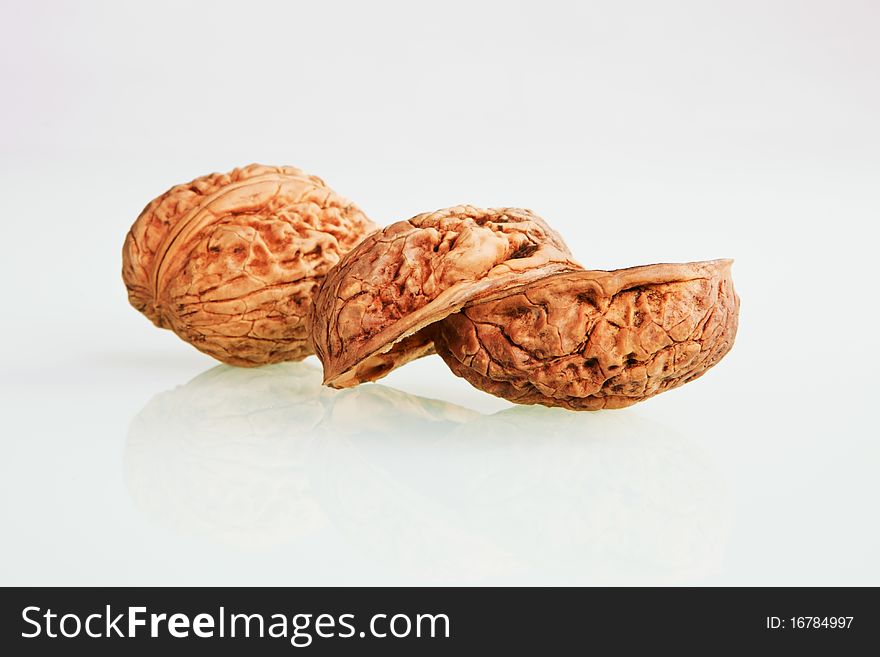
[
  {"x": 374, "y": 309},
  {"x": 588, "y": 340},
  {"x": 230, "y": 261},
  {"x": 498, "y": 295}
]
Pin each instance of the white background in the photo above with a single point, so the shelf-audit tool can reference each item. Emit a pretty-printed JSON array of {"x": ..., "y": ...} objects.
[{"x": 643, "y": 131}]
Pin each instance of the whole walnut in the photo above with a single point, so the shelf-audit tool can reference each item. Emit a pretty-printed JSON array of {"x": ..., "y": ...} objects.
[
  {"x": 498, "y": 295},
  {"x": 230, "y": 262}
]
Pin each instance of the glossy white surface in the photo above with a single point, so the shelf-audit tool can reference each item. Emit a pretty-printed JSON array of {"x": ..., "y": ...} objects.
[{"x": 642, "y": 134}]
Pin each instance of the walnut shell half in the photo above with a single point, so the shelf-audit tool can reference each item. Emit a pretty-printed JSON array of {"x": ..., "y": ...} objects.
[
  {"x": 230, "y": 261},
  {"x": 588, "y": 340},
  {"x": 371, "y": 309}
]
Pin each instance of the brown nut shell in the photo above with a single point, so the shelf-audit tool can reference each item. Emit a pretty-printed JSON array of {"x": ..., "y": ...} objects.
[
  {"x": 371, "y": 310},
  {"x": 230, "y": 261},
  {"x": 588, "y": 340}
]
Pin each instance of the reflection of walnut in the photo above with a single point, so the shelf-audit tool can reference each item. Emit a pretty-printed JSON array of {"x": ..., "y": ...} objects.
[
  {"x": 592, "y": 340},
  {"x": 227, "y": 454},
  {"x": 500, "y": 297},
  {"x": 229, "y": 262},
  {"x": 371, "y": 309}
]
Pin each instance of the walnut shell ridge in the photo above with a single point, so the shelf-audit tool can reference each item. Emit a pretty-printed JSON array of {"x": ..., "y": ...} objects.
[
  {"x": 499, "y": 296},
  {"x": 230, "y": 261}
]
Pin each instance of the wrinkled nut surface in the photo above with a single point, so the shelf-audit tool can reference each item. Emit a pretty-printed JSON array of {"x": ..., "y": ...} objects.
[
  {"x": 230, "y": 261},
  {"x": 499, "y": 296},
  {"x": 374, "y": 310},
  {"x": 589, "y": 340}
]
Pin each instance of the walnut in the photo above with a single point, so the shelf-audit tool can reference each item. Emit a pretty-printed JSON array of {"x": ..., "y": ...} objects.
[
  {"x": 370, "y": 312},
  {"x": 230, "y": 261},
  {"x": 499, "y": 296},
  {"x": 594, "y": 339}
]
